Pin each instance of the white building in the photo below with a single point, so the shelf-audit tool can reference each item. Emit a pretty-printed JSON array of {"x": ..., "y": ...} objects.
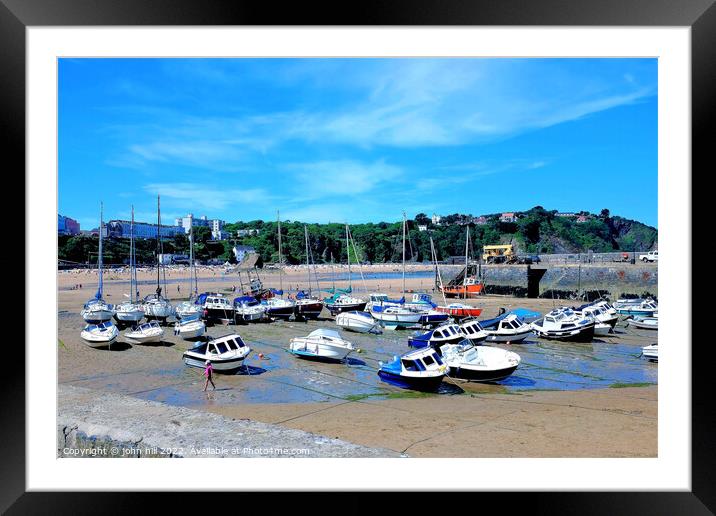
[
  {"x": 240, "y": 252},
  {"x": 123, "y": 229},
  {"x": 422, "y": 227},
  {"x": 437, "y": 219},
  {"x": 216, "y": 225}
]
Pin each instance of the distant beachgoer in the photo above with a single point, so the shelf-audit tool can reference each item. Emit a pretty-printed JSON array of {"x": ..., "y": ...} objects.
[
  {"x": 208, "y": 370},
  {"x": 178, "y": 288}
]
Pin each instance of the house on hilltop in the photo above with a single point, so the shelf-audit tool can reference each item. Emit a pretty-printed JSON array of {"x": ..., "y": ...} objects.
[{"x": 508, "y": 217}]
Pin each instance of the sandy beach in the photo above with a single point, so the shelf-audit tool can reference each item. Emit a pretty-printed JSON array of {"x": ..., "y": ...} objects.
[{"x": 566, "y": 400}]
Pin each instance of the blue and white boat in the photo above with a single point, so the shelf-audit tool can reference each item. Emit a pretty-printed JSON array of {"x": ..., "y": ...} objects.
[
  {"x": 100, "y": 335},
  {"x": 421, "y": 369},
  {"x": 473, "y": 331},
  {"x": 645, "y": 308},
  {"x": 443, "y": 334},
  {"x": 508, "y": 329},
  {"x": 249, "y": 309}
]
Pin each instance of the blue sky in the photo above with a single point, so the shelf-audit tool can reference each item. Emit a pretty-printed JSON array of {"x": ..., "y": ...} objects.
[{"x": 355, "y": 140}]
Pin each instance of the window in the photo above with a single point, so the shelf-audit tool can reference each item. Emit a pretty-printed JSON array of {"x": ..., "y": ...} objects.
[
  {"x": 410, "y": 365},
  {"x": 221, "y": 346},
  {"x": 428, "y": 360},
  {"x": 230, "y": 344},
  {"x": 438, "y": 359},
  {"x": 212, "y": 349}
]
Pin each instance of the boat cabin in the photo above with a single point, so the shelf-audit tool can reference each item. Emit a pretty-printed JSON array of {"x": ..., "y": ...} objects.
[
  {"x": 510, "y": 323},
  {"x": 220, "y": 346},
  {"x": 146, "y": 326},
  {"x": 420, "y": 363},
  {"x": 447, "y": 332}
]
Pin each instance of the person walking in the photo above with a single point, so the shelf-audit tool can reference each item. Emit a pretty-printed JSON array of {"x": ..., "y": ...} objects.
[{"x": 208, "y": 372}]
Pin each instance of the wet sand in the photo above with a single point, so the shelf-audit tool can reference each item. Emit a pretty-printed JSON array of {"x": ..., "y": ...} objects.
[{"x": 597, "y": 411}]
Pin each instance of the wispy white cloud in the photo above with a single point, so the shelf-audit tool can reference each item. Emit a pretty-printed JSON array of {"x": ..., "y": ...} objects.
[{"x": 209, "y": 197}]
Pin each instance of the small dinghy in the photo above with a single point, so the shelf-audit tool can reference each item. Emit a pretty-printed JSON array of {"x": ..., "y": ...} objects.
[
  {"x": 321, "y": 344},
  {"x": 564, "y": 324},
  {"x": 508, "y": 329},
  {"x": 226, "y": 353},
  {"x": 147, "y": 333},
  {"x": 473, "y": 331},
  {"x": 361, "y": 322},
  {"x": 479, "y": 363},
  {"x": 651, "y": 353},
  {"x": 100, "y": 335},
  {"x": 248, "y": 309},
  {"x": 421, "y": 369},
  {"x": 190, "y": 327},
  {"x": 443, "y": 334},
  {"x": 644, "y": 323}
]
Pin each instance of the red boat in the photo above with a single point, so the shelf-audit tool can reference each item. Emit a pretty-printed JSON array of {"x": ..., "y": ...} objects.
[
  {"x": 471, "y": 288},
  {"x": 459, "y": 311}
]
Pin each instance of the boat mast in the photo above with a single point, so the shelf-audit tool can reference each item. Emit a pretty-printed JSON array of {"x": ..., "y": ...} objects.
[
  {"x": 464, "y": 279},
  {"x": 404, "y": 224},
  {"x": 308, "y": 266},
  {"x": 131, "y": 259},
  {"x": 280, "y": 261},
  {"x": 437, "y": 269},
  {"x": 99, "y": 259},
  {"x": 348, "y": 255},
  {"x": 191, "y": 261},
  {"x": 159, "y": 289}
]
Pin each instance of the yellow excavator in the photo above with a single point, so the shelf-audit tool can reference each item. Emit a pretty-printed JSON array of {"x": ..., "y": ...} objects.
[{"x": 498, "y": 254}]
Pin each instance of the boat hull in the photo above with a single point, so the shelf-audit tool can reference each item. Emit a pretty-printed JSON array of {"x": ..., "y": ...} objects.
[
  {"x": 463, "y": 291},
  {"x": 585, "y": 334},
  {"x": 460, "y": 313},
  {"x": 219, "y": 366},
  {"x": 97, "y": 316},
  {"x": 283, "y": 312},
  {"x": 336, "y": 309},
  {"x": 481, "y": 375},
  {"x": 99, "y": 343},
  {"x": 194, "y": 332},
  {"x": 515, "y": 337},
  {"x": 358, "y": 324},
  {"x": 308, "y": 310},
  {"x": 133, "y": 316},
  {"x": 423, "y": 383}
]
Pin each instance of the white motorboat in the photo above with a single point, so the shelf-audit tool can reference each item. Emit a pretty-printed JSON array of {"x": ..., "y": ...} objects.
[
  {"x": 644, "y": 323},
  {"x": 100, "y": 335},
  {"x": 651, "y": 353},
  {"x": 603, "y": 312},
  {"x": 361, "y": 322},
  {"x": 508, "y": 329},
  {"x": 226, "y": 353},
  {"x": 392, "y": 316},
  {"x": 421, "y": 369},
  {"x": 278, "y": 308},
  {"x": 448, "y": 333},
  {"x": 380, "y": 299},
  {"x": 473, "y": 331},
  {"x": 479, "y": 363},
  {"x": 601, "y": 328},
  {"x": 321, "y": 344},
  {"x": 248, "y": 309},
  {"x": 564, "y": 324},
  {"x": 645, "y": 308},
  {"x": 147, "y": 333},
  {"x": 190, "y": 327},
  {"x": 217, "y": 307}
]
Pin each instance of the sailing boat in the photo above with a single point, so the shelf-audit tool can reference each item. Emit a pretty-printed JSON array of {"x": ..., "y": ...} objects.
[
  {"x": 471, "y": 285},
  {"x": 307, "y": 306},
  {"x": 392, "y": 314},
  {"x": 277, "y": 307},
  {"x": 155, "y": 305},
  {"x": 189, "y": 308},
  {"x": 97, "y": 310},
  {"x": 341, "y": 301},
  {"x": 130, "y": 312}
]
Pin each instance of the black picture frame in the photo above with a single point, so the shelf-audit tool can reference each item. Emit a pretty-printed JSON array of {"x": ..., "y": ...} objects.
[{"x": 699, "y": 15}]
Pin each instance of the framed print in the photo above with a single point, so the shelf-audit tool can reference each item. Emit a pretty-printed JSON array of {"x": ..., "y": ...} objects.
[{"x": 413, "y": 242}]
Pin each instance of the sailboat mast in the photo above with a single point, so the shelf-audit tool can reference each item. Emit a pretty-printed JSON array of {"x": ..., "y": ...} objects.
[
  {"x": 308, "y": 266},
  {"x": 280, "y": 260},
  {"x": 131, "y": 259},
  {"x": 348, "y": 256},
  {"x": 191, "y": 259},
  {"x": 159, "y": 289},
  {"x": 464, "y": 279},
  {"x": 404, "y": 224},
  {"x": 99, "y": 260}
]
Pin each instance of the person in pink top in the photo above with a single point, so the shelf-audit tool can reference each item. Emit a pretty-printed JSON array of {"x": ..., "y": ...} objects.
[{"x": 208, "y": 372}]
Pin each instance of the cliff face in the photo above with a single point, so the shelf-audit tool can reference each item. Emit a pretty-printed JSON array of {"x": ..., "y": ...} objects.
[{"x": 630, "y": 234}]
